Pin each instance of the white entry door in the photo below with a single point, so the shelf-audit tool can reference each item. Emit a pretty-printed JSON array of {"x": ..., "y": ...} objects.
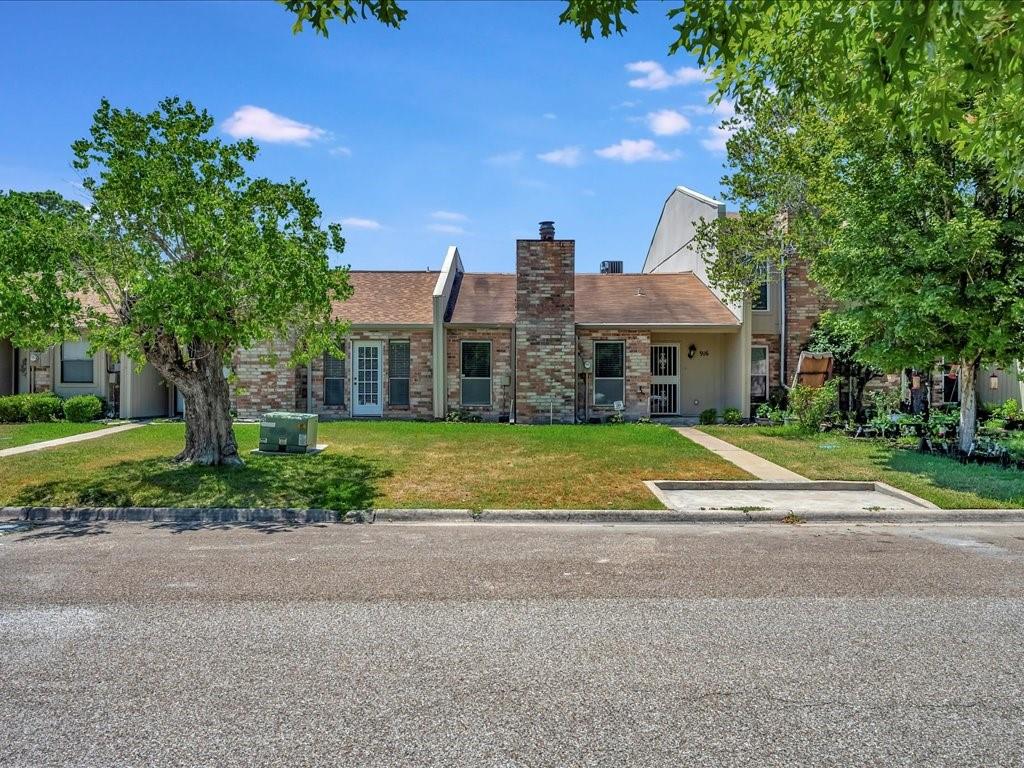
[
  {"x": 664, "y": 380},
  {"x": 366, "y": 370}
]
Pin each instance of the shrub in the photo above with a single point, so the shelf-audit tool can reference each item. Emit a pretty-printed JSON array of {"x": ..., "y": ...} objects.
[
  {"x": 42, "y": 407},
  {"x": 83, "y": 408},
  {"x": 12, "y": 409},
  {"x": 732, "y": 416},
  {"x": 708, "y": 416},
  {"x": 812, "y": 407},
  {"x": 615, "y": 418},
  {"x": 464, "y": 416}
]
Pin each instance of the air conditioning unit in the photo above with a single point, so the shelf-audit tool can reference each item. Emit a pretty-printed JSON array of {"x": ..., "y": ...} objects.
[{"x": 288, "y": 432}]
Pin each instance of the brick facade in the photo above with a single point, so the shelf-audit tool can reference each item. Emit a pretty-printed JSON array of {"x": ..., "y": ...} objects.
[
  {"x": 501, "y": 371},
  {"x": 421, "y": 405},
  {"x": 545, "y": 331},
  {"x": 805, "y": 302},
  {"x": 638, "y": 372},
  {"x": 262, "y": 385}
]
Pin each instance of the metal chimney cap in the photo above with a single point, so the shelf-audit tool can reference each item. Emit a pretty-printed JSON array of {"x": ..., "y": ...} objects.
[{"x": 547, "y": 230}]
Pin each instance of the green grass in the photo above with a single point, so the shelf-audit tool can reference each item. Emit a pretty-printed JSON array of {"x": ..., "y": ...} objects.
[
  {"x": 942, "y": 481},
  {"x": 23, "y": 434},
  {"x": 374, "y": 464}
]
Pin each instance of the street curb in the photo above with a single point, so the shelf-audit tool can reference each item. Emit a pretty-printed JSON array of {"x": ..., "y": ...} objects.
[{"x": 185, "y": 516}]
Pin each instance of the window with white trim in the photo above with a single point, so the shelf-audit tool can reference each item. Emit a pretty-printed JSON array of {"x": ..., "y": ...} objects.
[
  {"x": 476, "y": 373},
  {"x": 334, "y": 380},
  {"x": 758, "y": 373},
  {"x": 398, "y": 373},
  {"x": 609, "y": 372},
  {"x": 75, "y": 363}
]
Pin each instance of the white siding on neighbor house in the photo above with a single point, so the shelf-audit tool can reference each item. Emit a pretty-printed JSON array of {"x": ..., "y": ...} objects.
[
  {"x": 672, "y": 249},
  {"x": 143, "y": 393},
  {"x": 1009, "y": 387}
]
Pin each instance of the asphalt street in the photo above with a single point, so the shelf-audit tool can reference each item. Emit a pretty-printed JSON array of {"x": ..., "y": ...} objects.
[{"x": 134, "y": 644}]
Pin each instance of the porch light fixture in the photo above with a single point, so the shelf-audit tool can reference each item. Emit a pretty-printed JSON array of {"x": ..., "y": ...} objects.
[
  {"x": 691, "y": 351},
  {"x": 993, "y": 382}
]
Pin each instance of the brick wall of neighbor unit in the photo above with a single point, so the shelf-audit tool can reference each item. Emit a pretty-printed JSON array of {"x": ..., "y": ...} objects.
[
  {"x": 421, "y": 403},
  {"x": 805, "y": 301},
  {"x": 501, "y": 370},
  {"x": 545, "y": 330},
  {"x": 638, "y": 371},
  {"x": 262, "y": 386},
  {"x": 772, "y": 341}
]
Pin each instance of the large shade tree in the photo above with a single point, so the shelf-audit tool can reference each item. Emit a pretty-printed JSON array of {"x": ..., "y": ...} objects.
[
  {"x": 178, "y": 258},
  {"x": 922, "y": 250},
  {"x": 945, "y": 70}
]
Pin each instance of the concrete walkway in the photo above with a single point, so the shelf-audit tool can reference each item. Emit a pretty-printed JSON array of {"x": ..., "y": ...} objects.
[
  {"x": 760, "y": 468},
  {"x": 68, "y": 440}
]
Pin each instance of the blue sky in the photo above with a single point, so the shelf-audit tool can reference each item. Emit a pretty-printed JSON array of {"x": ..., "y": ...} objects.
[{"x": 467, "y": 126}]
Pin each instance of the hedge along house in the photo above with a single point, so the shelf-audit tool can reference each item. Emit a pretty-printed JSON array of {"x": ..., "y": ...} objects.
[
  {"x": 783, "y": 314},
  {"x": 542, "y": 344}
]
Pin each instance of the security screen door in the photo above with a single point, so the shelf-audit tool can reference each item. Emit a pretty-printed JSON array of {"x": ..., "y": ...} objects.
[
  {"x": 367, "y": 375},
  {"x": 664, "y": 380}
]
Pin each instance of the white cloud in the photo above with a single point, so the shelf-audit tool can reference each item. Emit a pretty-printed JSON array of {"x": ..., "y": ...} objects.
[
  {"x": 723, "y": 110},
  {"x": 549, "y": 116},
  {"x": 448, "y": 229},
  {"x": 717, "y": 137},
  {"x": 449, "y": 216},
  {"x": 567, "y": 156},
  {"x": 340, "y": 152},
  {"x": 259, "y": 123},
  {"x": 629, "y": 104},
  {"x": 632, "y": 150},
  {"x": 356, "y": 223},
  {"x": 655, "y": 78},
  {"x": 505, "y": 159},
  {"x": 667, "y": 122}
]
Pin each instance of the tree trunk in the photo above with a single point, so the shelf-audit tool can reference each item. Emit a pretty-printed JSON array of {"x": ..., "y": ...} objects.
[
  {"x": 209, "y": 437},
  {"x": 968, "y": 403}
]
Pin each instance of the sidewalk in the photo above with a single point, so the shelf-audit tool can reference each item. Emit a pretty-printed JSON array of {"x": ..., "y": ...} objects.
[
  {"x": 68, "y": 440},
  {"x": 760, "y": 468}
]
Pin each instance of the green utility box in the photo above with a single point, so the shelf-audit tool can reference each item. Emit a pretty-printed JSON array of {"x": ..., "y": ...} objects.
[{"x": 288, "y": 432}]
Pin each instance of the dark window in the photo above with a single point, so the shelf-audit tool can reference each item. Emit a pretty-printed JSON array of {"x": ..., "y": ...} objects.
[
  {"x": 760, "y": 302},
  {"x": 75, "y": 363},
  {"x": 476, "y": 373},
  {"x": 398, "y": 373},
  {"x": 334, "y": 380},
  {"x": 609, "y": 372},
  {"x": 950, "y": 384}
]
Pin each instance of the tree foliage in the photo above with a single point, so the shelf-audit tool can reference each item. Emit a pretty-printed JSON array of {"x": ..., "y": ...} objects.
[
  {"x": 922, "y": 249},
  {"x": 944, "y": 70},
  {"x": 180, "y": 259}
]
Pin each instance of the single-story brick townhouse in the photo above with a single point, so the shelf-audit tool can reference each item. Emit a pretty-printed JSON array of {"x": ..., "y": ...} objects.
[{"x": 545, "y": 343}]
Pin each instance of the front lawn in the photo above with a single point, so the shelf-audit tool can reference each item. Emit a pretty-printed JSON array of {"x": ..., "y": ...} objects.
[
  {"x": 831, "y": 456},
  {"x": 374, "y": 464},
  {"x": 23, "y": 434}
]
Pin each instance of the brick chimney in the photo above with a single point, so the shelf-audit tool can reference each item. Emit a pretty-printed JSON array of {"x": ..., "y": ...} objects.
[{"x": 545, "y": 328}]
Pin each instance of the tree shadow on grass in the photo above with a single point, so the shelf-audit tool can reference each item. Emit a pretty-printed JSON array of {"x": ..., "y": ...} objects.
[
  {"x": 325, "y": 481},
  {"x": 987, "y": 481}
]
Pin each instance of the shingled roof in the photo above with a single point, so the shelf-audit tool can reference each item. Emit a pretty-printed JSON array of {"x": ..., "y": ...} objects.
[
  {"x": 483, "y": 298},
  {"x": 489, "y": 298},
  {"x": 389, "y": 298},
  {"x": 648, "y": 299}
]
